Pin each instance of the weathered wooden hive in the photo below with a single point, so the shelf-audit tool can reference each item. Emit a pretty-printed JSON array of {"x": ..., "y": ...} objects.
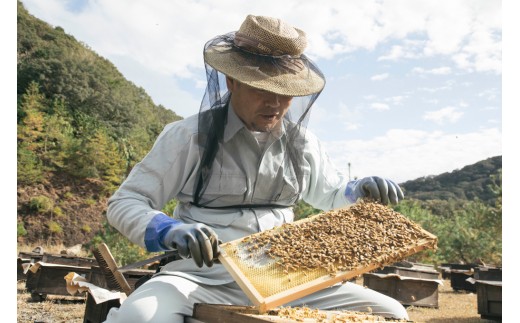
[
  {"x": 459, "y": 274},
  {"x": 46, "y": 276},
  {"x": 409, "y": 283},
  {"x": 488, "y": 283}
]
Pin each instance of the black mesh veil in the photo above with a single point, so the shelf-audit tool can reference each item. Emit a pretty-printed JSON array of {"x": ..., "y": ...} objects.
[{"x": 214, "y": 109}]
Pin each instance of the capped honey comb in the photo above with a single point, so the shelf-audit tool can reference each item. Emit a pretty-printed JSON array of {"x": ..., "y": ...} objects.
[{"x": 296, "y": 259}]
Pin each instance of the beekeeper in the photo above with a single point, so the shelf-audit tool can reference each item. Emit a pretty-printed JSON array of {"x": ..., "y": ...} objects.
[{"x": 237, "y": 168}]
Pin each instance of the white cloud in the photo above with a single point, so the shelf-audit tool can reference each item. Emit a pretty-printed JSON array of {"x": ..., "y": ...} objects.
[
  {"x": 445, "y": 70},
  {"x": 351, "y": 126},
  {"x": 448, "y": 25},
  {"x": 396, "y": 52},
  {"x": 348, "y": 116},
  {"x": 463, "y": 104},
  {"x": 447, "y": 114},
  {"x": 409, "y": 49},
  {"x": 342, "y": 116},
  {"x": 168, "y": 36},
  {"x": 468, "y": 31},
  {"x": 489, "y": 94},
  {"x": 397, "y": 99},
  {"x": 404, "y": 155},
  {"x": 447, "y": 87},
  {"x": 379, "y": 106},
  {"x": 379, "y": 77}
]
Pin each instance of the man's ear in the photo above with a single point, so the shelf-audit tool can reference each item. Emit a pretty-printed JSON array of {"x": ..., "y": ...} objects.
[{"x": 230, "y": 83}]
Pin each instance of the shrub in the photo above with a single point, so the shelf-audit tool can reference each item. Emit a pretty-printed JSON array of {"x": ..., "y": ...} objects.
[
  {"x": 20, "y": 230},
  {"x": 54, "y": 227},
  {"x": 124, "y": 251},
  {"x": 41, "y": 204},
  {"x": 464, "y": 235},
  {"x": 169, "y": 207},
  {"x": 58, "y": 212},
  {"x": 29, "y": 167}
]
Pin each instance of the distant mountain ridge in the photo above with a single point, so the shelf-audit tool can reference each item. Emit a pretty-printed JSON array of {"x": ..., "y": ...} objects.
[{"x": 467, "y": 183}]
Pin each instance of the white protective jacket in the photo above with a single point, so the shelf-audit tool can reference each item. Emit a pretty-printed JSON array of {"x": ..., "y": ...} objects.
[{"x": 169, "y": 171}]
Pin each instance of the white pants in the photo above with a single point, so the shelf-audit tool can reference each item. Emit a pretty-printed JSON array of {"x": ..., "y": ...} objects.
[{"x": 170, "y": 298}]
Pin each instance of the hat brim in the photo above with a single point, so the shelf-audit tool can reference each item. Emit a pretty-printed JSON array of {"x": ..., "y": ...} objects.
[{"x": 237, "y": 65}]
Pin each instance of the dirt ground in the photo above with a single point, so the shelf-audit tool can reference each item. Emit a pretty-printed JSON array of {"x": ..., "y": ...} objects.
[{"x": 454, "y": 306}]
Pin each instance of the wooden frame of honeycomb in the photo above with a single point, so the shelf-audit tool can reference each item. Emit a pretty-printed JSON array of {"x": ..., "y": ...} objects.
[
  {"x": 240, "y": 314},
  {"x": 296, "y": 259}
]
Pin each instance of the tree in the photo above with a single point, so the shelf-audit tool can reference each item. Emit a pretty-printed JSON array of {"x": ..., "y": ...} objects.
[
  {"x": 30, "y": 133},
  {"x": 58, "y": 135},
  {"x": 303, "y": 210},
  {"x": 465, "y": 233},
  {"x": 96, "y": 156},
  {"x": 105, "y": 157},
  {"x": 31, "y": 113}
]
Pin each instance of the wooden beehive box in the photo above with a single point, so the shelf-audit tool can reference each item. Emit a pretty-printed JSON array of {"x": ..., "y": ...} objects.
[
  {"x": 67, "y": 260},
  {"x": 24, "y": 259},
  {"x": 417, "y": 285},
  {"x": 488, "y": 273},
  {"x": 459, "y": 274},
  {"x": 50, "y": 279},
  {"x": 31, "y": 256},
  {"x": 445, "y": 271},
  {"x": 488, "y": 283},
  {"x": 132, "y": 276},
  {"x": 20, "y": 273},
  {"x": 412, "y": 270},
  {"x": 50, "y": 273},
  {"x": 97, "y": 313}
]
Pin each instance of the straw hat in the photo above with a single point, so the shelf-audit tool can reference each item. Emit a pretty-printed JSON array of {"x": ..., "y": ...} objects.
[{"x": 266, "y": 53}]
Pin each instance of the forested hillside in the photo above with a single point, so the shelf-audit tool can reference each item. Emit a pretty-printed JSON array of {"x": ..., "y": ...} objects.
[
  {"x": 81, "y": 126},
  {"x": 463, "y": 208},
  {"x": 467, "y": 183}
]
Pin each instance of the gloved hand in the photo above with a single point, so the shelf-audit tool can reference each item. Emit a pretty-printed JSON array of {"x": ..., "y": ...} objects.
[
  {"x": 378, "y": 188},
  {"x": 197, "y": 241}
]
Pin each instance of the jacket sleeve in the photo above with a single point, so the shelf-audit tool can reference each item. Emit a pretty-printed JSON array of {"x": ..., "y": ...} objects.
[
  {"x": 134, "y": 209},
  {"x": 324, "y": 184}
]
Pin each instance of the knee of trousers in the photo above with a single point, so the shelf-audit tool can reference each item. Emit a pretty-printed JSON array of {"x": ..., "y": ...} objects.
[
  {"x": 384, "y": 305},
  {"x": 394, "y": 309},
  {"x": 353, "y": 297},
  {"x": 154, "y": 301}
]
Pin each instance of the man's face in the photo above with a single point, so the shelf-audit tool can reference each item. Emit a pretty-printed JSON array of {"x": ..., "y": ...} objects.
[{"x": 259, "y": 110}]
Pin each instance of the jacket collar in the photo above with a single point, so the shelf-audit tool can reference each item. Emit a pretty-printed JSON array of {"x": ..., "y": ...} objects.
[{"x": 234, "y": 125}]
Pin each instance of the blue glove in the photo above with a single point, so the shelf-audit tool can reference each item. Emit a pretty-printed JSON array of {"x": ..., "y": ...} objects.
[
  {"x": 374, "y": 187},
  {"x": 197, "y": 241}
]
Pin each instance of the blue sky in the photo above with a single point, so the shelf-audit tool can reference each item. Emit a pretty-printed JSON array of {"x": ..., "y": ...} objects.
[{"x": 414, "y": 88}]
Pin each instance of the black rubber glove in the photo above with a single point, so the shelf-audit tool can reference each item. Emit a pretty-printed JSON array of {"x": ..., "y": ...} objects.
[
  {"x": 197, "y": 241},
  {"x": 374, "y": 187}
]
